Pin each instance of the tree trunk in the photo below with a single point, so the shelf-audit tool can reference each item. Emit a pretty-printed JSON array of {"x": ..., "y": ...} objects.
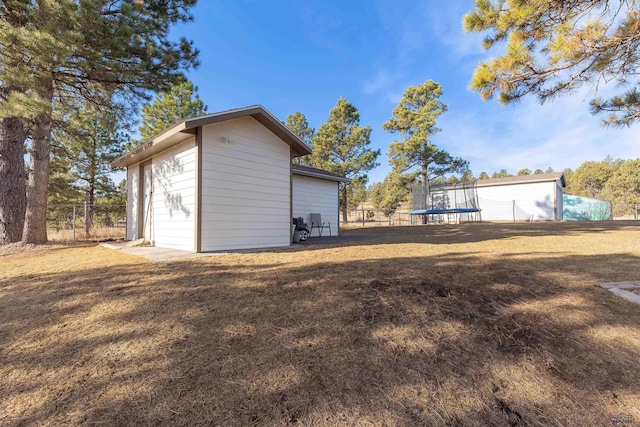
[
  {"x": 13, "y": 198},
  {"x": 427, "y": 193},
  {"x": 88, "y": 212},
  {"x": 35, "y": 224}
]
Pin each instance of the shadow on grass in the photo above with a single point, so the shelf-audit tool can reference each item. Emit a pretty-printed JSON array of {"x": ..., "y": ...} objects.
[{"x": 448, "y": 340}]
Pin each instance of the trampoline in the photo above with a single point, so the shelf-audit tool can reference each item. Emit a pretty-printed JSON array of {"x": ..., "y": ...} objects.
[{"x": 455, "y": 202}]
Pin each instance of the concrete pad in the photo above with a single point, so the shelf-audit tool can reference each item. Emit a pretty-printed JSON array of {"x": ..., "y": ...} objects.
[
  {"x": 137, "y": 242},
  {"x": 153, "y": 253},
  {"x": 621, "y": 289}
]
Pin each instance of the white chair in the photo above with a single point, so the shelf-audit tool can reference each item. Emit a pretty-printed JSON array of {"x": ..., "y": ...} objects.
[{"x": 316, "y": 221}]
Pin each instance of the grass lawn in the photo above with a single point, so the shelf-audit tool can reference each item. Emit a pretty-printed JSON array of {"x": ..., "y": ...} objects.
[{"x": 477, "y": 324}]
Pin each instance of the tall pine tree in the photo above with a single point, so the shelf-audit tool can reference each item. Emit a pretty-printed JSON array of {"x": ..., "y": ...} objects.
[
  {"x": 415, "y": 118},
  {"x": 297, "y": 123},
  {"x": 553, "y": 47},
  {"x": 90, "y": 140},
  {"x": 56, "y": 53},
  {"x": 178, "y": 103},
  {"x": 342, "y": 146}
]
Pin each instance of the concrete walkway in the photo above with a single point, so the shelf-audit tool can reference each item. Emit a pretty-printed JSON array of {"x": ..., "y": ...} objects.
[
  {"x": 153, "y": 253},
  {"x": 624, "y": 289}
]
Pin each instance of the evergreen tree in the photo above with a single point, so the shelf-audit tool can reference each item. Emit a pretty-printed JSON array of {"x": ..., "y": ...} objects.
[
  {"x": 415, "y": 118},
  {"x": 549, "y": 170},
  {"x": 356, "y": 193},
  {"x": 483, "y": 175},
  {"x": 342, "y": 146},
  {"x": 590, "y": 178},
  {"x": 13, "y": 196},
  {"x": 65, "y": 51},
  {"x": 538, "y": 172},
  {"x": 524, "y": 172},
  {"x": 502, "y": 173},
  {"x": 467, "y": 176},
  {"x": 554, "y": 47},
  {"x": 178, "y": 103},
  {"x": 91, "y": 139},
  {"x": 297, "y": 123},
  {"x": 62, "y": 189},
  {"x": 623, "y": 187},
  {"x": 390, "y": 194}
]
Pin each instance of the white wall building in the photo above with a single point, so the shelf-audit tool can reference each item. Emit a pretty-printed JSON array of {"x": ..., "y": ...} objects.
[
  {"x": 517, "y": 198},
  {"x": 521, "y": 198},
  {"x": 224, "y": 181}
]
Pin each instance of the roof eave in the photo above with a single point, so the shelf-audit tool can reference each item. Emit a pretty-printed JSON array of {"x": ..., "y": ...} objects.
[
  {"x": 321, "y": 176},
  {"x": 188, "y": 126},
  {"x": 168, "y": 138}
]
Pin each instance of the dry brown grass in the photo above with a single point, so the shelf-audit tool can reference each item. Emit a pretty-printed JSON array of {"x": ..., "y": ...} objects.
[
  {"x": 467, "y": 325},
  {"x": 96, "y": 233}
]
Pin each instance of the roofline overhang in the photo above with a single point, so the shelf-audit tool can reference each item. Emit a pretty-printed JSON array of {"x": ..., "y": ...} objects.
[
  {"x": 320, "y": 176},
  {"x": 185, "y": 129},
  {"x": 561, "y": 177}
]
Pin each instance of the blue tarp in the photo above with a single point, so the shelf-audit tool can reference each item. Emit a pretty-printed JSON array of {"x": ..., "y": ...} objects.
[{"x": 578, "y": 208}]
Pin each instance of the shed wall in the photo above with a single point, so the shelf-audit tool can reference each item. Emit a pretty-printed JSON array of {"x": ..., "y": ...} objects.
[
  {"x": 313, "y": 195},
  {"x": 132, "y": 201},
  {"x": 560, "y": 201},
  {"x": 527, "y": 201},
  {"x": 173, "y": 201},
  {"x": 246, "y": 187}
]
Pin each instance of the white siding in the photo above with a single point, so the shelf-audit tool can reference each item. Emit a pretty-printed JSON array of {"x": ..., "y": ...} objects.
[
  {"x": 313, "y": 195},
  {"x": 246, "y": 187},
  {"x": 173, "y": 200},
  {"x": 132, "y": 201},
  {"x": 535, "y": 201},
  {"x": 560, "y": 201}
]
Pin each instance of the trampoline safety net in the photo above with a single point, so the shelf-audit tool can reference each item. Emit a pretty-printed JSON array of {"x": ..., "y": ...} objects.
[{"x": 461, "y": 195}]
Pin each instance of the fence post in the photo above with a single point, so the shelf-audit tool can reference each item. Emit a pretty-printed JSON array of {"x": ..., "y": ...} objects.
[{"x": 74, "y": 222}]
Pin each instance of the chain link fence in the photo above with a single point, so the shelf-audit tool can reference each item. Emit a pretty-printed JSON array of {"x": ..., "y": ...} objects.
[
  {"x": 377, "y": 218},
  {"x": 373, "y": 218},
  {"x": 628, "y": 211},
  {"x": 77, "y": 222}
]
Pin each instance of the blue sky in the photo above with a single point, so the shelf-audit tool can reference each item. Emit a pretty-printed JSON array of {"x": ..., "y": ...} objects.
[{"x": 302, "y": 56}]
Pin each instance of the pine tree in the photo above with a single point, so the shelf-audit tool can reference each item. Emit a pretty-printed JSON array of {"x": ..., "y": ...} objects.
[
  {"x": 553, "y": 47},
  {"x": 65, "y": 51},
  {"x": 13, "y": 197},
  {"x": 483, "y": 175},
  {"x": 91, "y": 139},
  {"x": 297, "y": 123},
  {"x": 342, "y": 146},
  {"x": 415, "y": 118},
  {"x": 390, "y": 194},
  {"x": 178, "y": 103},
  {"x": 502, "y": 173},
  {"x": 524, "y": 172}
]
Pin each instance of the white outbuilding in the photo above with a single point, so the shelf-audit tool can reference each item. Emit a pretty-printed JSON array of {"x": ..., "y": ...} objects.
[
  {"x": 225, "y": 181},
  {"x": 535, "y": 197}
]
